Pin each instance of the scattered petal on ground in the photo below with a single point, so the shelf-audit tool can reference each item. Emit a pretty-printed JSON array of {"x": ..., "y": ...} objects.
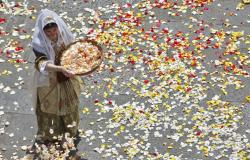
[{"x": 172, "y": 83}]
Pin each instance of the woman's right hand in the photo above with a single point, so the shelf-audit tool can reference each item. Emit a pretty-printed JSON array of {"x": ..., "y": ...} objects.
[{"x": 67, "y": 72}]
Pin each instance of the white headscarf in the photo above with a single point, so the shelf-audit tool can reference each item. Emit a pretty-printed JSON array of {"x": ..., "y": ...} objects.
[{"x": 42, "y": 44}]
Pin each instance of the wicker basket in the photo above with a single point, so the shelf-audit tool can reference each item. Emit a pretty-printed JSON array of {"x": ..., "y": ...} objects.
[{"x": 93, "y": 68}]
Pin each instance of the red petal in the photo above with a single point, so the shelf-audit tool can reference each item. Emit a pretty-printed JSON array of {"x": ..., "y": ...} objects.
[
  {"x": 18, "y": 49},
  {"x": 198, "y": 133},
  {"x": 165, "y": 30},
  {"x": 110, "y": 102},
  {"x": 146, "y": 81},
  {"x": 2, "y": 20},
  {"x": 189, "y": 89}
]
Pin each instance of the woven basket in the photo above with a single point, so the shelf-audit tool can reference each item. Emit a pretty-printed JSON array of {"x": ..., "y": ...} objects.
[{"x": 93, "y": 67}]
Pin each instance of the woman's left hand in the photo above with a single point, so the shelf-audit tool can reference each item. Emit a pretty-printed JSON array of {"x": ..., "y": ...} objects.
[{"x": 67, "y": 73}]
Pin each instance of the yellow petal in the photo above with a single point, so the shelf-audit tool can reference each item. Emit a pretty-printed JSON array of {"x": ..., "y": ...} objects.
[
  {"x": 248, "y": 98},
  {"x": 246, "y": 1}
]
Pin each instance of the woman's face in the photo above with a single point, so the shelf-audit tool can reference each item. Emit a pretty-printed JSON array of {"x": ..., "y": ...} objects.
[{"x": 52, "y": 33}]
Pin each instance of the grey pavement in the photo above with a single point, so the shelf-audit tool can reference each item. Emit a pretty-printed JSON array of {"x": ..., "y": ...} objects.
[{"x": 177, "y": 128}]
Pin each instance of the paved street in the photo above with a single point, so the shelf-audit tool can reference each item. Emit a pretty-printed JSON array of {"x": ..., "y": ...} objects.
[{"x": 174, "y": 83}]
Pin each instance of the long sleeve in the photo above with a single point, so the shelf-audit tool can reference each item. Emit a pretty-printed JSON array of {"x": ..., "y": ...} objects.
[{"x": 41, "y": 62}]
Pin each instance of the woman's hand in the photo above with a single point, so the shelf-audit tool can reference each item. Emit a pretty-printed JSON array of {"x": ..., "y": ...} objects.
[
  {"x": 55, "y": 68},
  {"x": 66, "y": 72}
]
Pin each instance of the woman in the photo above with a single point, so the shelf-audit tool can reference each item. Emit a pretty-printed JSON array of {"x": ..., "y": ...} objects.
[{"x": 56, "y": 90}]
